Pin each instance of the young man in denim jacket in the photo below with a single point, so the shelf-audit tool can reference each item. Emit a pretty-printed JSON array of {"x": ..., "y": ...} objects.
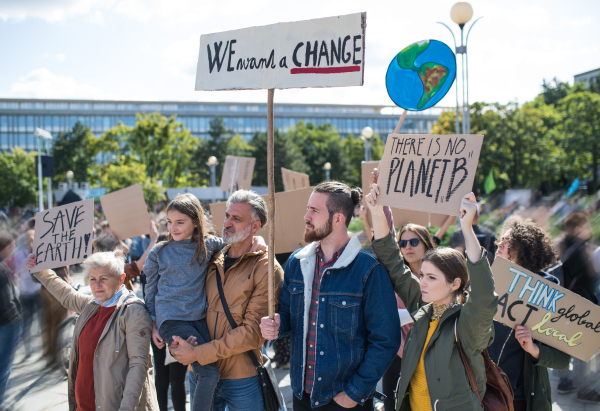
[{"x": 338, "y": 304}]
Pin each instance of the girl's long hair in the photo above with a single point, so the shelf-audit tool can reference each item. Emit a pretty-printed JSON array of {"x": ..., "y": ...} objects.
[
  {"x": 189, "y": 205},
  {"x": 421, "y": 232}
]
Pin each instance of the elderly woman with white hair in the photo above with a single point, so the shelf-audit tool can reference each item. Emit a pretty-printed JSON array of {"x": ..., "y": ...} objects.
[{"x": 110, "y": 366}]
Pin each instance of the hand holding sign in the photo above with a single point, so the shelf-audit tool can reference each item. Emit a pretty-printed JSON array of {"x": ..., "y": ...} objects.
[{"x": 63, "y": 235}]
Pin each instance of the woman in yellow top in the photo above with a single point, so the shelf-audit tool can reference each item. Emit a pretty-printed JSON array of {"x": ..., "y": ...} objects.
[{"x": 433, "y": 376}]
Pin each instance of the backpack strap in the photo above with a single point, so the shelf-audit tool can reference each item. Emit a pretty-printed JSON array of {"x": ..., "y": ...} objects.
[{"x": 466, "y": 364}]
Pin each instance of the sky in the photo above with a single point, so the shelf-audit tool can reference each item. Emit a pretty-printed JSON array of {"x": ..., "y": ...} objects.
[{"x": 148, "y": 49}]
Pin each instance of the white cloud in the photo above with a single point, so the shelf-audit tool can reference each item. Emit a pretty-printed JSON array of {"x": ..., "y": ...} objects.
[
  {"x": 61, "y": 57},
  {"x": 51, "y": 11},
  {"x": 97, "y": 18},
  {"x": 42, "y": 83}
]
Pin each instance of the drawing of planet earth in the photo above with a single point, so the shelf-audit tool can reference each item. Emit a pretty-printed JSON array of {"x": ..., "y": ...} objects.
[{"x": 420, "y": 75}]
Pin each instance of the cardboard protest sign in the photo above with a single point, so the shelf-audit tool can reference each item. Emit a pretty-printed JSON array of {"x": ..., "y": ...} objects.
[
  {"x": 63, "y": 235},
  {"x": 401, "y": 216},
  {"x": 293, "y": 180},
  {"x": 290, "y": 207},
  {"x": 237, "y": 173},
  {"x": 126, "y": 212},
  {"x": 325, "y": 52},
  {"x": 556, "y": 316},
  {"x": 428, "y": 172}
]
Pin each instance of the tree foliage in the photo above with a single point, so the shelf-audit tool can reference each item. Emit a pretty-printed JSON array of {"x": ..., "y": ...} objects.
[
  {"x": 18, "y": 181},
  {"x": 115, "y": 176},
  {"x": 75, "y": 151}
]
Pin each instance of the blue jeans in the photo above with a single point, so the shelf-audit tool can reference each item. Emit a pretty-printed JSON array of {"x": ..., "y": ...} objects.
[
  {"x": 206, "y": 376},
  {"x": 9, "y": 340},
  {"x": 242, "y": 394}
]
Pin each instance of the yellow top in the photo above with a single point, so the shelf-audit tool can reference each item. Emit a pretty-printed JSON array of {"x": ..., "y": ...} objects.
[{"x": 418, "y": 393}]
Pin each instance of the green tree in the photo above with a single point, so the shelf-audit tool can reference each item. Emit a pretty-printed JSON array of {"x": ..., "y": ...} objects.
[
  {"x": 18, "y": 181},
  {"x": 554, "y": 90},
  {"x": 74, "y": 150},
  {"x": 594, "y": 85},
  {"x": 286, "y": 154},
  {"x": 354, "y": 150},
  {"x": 163, "y": 145},
  {"x": 580, "y": 127},
  {"x": 238, "y": 146},
  {"x": 115, "y": 176},
  {"x": 215, "y": 145},
  {"x": 319, "y": 145}
]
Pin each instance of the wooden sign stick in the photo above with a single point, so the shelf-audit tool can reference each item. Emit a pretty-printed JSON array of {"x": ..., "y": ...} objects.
[
  {"x": 397, "y": 129},
  {"x": 271, "y": 215}
]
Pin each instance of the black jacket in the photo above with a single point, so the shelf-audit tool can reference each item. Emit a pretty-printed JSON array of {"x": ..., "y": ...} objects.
[{"x": 10, "y": 307}]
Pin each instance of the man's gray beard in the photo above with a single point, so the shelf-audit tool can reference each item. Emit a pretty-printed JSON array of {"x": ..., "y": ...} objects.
[
  {"x": 238, "y": 237},
  {"x": 319, "y": 234}
]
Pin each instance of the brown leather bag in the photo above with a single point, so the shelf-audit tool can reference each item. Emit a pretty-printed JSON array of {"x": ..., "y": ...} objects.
[{"x": 499, "y": 394}]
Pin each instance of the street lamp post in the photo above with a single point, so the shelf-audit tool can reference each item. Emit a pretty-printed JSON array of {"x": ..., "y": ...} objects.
[
  {"x": 461, "y": 13},
  {"x": 212, "y": 163},
  {"x": 69, "y": 176},
  {"x": 39, "y": 133},
  {"x": 327, "y": 168},
  {"x": 366, "y": 135}
]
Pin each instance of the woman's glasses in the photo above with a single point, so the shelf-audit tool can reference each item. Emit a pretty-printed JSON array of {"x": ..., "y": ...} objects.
[{"x": 413, "y": 242}]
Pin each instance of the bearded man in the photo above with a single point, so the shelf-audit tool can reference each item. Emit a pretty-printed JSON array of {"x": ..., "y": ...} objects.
[
  {"x": 244, "y": 278},
  {"x": 338, "y": 304}
]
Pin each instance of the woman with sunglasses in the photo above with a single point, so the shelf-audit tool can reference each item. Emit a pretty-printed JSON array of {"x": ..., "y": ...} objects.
[
  {"x": 442, "y": 309},
  {"x": 414, "y": 241}
]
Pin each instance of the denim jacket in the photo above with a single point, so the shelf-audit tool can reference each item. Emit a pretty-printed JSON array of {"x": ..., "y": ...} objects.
[{"x": 359, "y": 328}]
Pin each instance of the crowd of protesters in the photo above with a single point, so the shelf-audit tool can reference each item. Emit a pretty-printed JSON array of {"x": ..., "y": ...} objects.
[{"x": 158, "y": 309}]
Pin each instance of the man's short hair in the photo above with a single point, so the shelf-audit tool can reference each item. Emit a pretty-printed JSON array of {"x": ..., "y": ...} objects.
[
  {"x": 342, "y": 198},
  {"x": 258, "y": 206}
]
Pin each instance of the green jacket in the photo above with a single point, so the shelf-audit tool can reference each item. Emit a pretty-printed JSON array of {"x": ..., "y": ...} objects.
[
  {"x": 535, "y": 375},
  {"x": 447, "y": 380}
]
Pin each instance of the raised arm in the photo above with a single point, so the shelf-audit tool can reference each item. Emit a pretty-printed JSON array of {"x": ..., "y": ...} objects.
[
  {"x": 65, "y": 294},
  {"x": 153, "y": 237},
  {"x": 405, "y": 284},
  {"x": 475, "y": 325}
]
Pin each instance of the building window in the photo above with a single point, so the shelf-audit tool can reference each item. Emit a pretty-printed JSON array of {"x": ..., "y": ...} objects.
[
  {"x": 80, "y": 106},
  {"x": 57, "y": 106},
  {"x": 9, "y": 105},
  {"x": 149, "y": 107},
  {"x": 105, "y": 106}
]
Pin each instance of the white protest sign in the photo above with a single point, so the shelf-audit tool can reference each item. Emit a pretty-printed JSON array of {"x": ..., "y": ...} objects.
[
  {"x": 63, "y": 235},
  {"x": 325, "y": 52},
  {"x": 237, "y": 173},
  {"x": 428, "y": 172},
  {"x": 556, "y": 316}
]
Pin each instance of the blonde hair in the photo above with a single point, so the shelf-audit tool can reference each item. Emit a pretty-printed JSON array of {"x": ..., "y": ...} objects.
[{"x": 114, "y": 261}]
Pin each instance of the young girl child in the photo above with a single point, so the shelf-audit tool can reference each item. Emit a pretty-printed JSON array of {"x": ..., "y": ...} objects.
[
  {"x": 175, "y": 293},
  {"x": 441, "y": 307}
]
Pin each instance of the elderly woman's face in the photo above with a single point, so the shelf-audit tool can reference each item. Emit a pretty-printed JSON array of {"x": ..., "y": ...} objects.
[{"x": 103, "y": 283}]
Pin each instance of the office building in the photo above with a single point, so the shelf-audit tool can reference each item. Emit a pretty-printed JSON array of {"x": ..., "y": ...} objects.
[
  {"x": 19, "y": 117},
  {"x": 587, "y": 76}
]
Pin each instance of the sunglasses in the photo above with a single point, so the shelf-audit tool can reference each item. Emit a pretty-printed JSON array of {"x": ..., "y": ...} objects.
[{"x": 413, "y": 242}]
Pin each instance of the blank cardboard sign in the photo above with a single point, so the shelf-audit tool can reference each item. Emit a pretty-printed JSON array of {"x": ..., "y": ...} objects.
[
  {"x": 293, "y": 180},
  {"x": 240, "y": 169},
  {"x": 428, "y": 172},
  {"x": 290, "y": 207},
  {"x": 126, "y": 212},
  {"x": 401, "y": 216},
  {"x": 556, "y": 316},
  {"x": 63, "y": 235}
]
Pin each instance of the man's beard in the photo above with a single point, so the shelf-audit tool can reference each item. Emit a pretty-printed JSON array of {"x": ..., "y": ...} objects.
[
  {"x": 237, "y": 237},
  {"x": 320, "y": 233}
]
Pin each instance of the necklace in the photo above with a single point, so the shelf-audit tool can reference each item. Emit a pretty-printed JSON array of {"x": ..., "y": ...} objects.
[{"x": 440, "y": 309}]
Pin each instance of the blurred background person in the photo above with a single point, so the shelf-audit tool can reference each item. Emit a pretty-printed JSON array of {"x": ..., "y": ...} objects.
[
  {"x": 29, "y": 289},
  {"x": 10, "y": 312}
]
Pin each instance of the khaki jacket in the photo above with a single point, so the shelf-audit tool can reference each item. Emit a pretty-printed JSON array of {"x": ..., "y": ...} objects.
[
  {"x": 245, "y": 286},
  {"x": 123, "y": 372}
]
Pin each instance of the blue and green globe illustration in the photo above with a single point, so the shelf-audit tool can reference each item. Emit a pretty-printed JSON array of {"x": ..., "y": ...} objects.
[{"x": 420, "y": 75}]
